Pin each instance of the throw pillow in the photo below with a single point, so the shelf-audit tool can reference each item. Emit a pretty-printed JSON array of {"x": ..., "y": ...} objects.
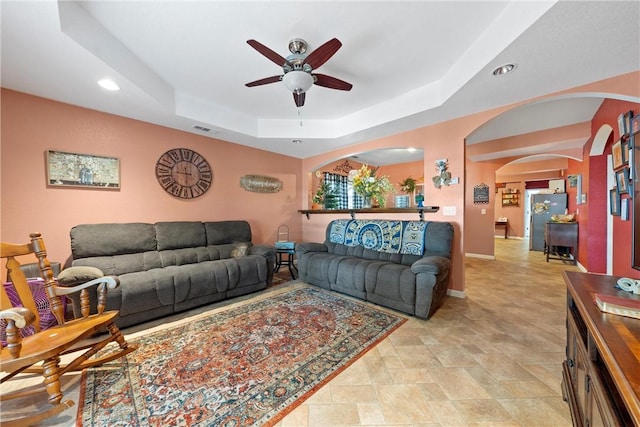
[{"x": 240, "y": 250}]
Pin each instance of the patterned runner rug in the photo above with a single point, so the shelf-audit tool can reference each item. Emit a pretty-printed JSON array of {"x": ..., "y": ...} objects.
[{"x": 248, "y": 365}]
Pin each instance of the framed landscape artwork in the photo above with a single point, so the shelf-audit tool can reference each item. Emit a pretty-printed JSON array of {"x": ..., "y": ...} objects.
[
  {"x": 616, "y": 152},
  {"x": 622, "y": 181},
  {"x": 614, "y": 202},
  {"x": 82, "y": 170}
]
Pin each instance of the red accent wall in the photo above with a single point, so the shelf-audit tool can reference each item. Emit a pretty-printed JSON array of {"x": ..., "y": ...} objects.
[{"x": 598, "y": 201}]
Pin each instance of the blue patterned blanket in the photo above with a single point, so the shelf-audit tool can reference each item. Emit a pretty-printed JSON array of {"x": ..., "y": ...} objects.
[{"x": 404, "y": 237}]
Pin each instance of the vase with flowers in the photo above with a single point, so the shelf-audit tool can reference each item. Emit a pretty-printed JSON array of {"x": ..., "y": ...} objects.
[{"x": 372, "y": 188}]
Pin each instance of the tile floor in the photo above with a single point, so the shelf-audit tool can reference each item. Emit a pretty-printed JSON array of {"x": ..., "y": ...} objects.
[{"x": 491, "y": 359}]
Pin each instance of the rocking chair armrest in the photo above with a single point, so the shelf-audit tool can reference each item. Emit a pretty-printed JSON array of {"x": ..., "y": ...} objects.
[
  {"x": 20, "y": 316},
  {"x": 104, "y": 283}
]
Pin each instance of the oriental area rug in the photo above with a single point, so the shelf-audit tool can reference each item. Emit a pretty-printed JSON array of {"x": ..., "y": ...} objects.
[{"x": 248, "y": 365}]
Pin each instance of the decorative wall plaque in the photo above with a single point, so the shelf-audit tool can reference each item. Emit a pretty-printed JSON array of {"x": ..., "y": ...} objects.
[
  {"x": 481, "y": 194},
  {"x": 260, "y": 184}
]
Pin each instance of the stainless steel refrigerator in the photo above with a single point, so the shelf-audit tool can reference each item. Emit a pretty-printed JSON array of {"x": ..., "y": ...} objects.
[{"x": 543, "y": 206}]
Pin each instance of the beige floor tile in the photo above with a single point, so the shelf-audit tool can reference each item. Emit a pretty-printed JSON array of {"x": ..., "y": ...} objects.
[
  {"x": 535, "y": 412},
  {"x": 371, "y": 414},
  {"x": 483, "y": 410},
  {"x": 404, "y": 403},
  {"x": 458, "y": 384},
  {"x": 333, "y": 415},
  {"x": 353, "y": 393}
]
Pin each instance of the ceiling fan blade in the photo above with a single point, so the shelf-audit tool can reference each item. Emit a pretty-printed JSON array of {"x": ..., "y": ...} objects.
[
  {"x": 268, "y": 53},
  {"x": 299, "y": 98},
  {"x": 323, "y": 53},
  {"x": 331, "y": 82},
  {"x": 267, "y": 80}
]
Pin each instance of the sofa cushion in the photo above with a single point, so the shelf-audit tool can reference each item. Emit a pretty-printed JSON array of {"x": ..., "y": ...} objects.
[
  {"x": 122, "y": 264},
  {"x": 95, "y": 240},
  {"x": 180, "y": 234},
  {"x": 224, "y": 232}
]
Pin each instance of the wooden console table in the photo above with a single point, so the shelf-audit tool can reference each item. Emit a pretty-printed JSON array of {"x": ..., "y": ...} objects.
[
  {"x": 601, "y": 373},
  {"x": 563, "y": 234},
  {"x": 504, "y": 224},
  {"x": 353, "y": 212}
]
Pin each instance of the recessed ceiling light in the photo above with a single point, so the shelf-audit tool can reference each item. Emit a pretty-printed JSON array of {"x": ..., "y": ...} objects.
[
  {"x": 297, "y": 141},
  {"x": 108, "y": 84},
  {"x": 504, "y": 69}
]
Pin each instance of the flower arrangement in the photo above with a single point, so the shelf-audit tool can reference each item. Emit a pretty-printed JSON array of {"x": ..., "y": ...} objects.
[{"x": 368, "y": 185}]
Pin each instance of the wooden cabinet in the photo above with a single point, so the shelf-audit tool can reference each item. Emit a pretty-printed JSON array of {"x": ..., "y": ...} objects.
[
  {"x": 510, "y": 197},
  {"x": 561, "y": 235},
  {"x": 601, "y": 373}
]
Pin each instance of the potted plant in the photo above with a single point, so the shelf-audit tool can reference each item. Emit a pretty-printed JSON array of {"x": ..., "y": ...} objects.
[{"x": 325, "y": 196}]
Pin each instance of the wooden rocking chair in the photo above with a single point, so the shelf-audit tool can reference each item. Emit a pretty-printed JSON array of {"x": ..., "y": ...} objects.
[{"x": 23, "y": 354}]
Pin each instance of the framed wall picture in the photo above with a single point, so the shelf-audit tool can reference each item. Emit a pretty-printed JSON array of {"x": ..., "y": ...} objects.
[
  {"x": 624, "y": 209},
  {"x": 614, "y": 202},
  {"x": 621, "y": 130},
  {"x": 622, "y": 181},
  {"x": 627, "y": 122},
  {"x": 82, "y": 170},
  {"x": 616, "y": 153},
  {"x": 625, "y": 152},
  {"x": 635, "y": 124}
]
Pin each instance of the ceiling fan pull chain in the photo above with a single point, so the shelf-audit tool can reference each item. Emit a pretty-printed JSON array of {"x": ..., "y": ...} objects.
[{"x": 299, "y": 117}]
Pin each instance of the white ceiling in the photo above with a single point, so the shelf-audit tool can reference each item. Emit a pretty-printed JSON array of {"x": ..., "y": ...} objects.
[{"x": 185, "y": 63}]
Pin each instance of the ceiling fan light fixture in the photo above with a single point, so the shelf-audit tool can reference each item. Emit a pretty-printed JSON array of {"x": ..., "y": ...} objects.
[
  {"x": 504, "y": 69},
  {"x": 297, "y": 81}
]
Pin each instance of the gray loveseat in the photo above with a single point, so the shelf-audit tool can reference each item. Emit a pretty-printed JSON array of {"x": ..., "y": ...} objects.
[
  {"x": 168, "y": 267},
  {"x": 402, "y": 265}
]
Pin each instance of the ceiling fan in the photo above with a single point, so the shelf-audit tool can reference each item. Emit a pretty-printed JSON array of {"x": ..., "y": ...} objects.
[{"x": 298, "y": 67}]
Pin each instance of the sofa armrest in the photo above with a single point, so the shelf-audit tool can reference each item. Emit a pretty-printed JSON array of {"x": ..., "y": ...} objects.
[
  {"x": 264, "y": 250},
  {"x": 431, "y": 264},
  {"x": 269, "y": 253},
  {"x": 305, "y": 247}
]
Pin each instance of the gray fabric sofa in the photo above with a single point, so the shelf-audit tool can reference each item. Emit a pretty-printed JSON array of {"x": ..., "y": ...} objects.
[
  {"x": 403, "y": 265},
  {"x": 168, "y": 267}
]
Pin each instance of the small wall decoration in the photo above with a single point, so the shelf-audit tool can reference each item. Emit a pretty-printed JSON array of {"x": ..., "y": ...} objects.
[
  {"x": 82, "y": 170},
  {"x": 481, "y": 194},
  {"x": 260, "y": 184},
  {"x": 344, "y": 168},
  {"x": 573, "y": 180},
  {"x": 443, "y": 177}
]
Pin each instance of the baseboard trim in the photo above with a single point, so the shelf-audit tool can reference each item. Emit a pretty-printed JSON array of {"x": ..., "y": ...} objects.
[
  {"x": 456, "y": 294},
  {"x": 471, "y": 255}
]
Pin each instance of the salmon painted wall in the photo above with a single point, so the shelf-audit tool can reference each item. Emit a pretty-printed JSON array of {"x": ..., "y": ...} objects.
[
  {"x": 32, "y": 125},
  {"x": 479, "y": 240},
  {"x": 626, "y": 86}
]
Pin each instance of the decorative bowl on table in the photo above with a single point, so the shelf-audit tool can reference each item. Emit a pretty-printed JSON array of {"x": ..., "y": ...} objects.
[{"x": 563, "y": 218}]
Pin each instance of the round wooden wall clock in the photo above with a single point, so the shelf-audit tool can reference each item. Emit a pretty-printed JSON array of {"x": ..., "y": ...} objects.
[{"x": 184, "y": 173}]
